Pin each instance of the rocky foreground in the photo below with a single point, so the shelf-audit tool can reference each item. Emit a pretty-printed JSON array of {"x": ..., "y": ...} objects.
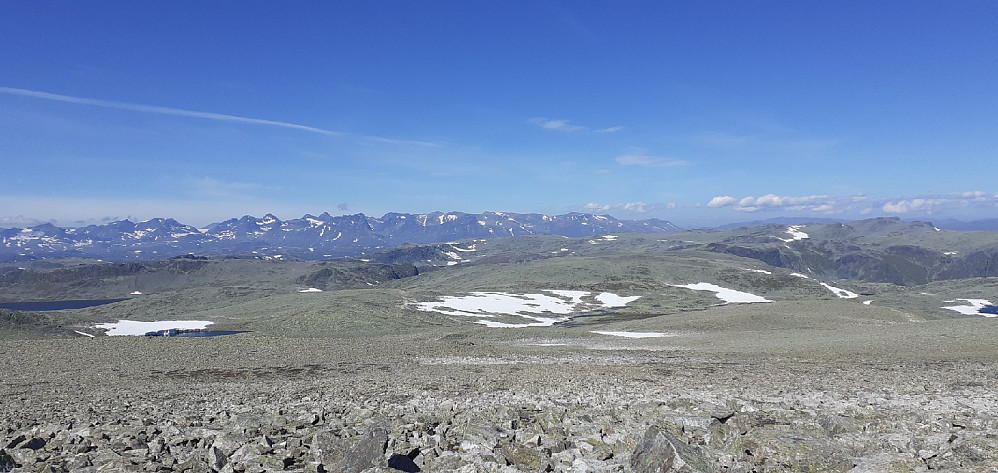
[{"x": 244, "y": 404}]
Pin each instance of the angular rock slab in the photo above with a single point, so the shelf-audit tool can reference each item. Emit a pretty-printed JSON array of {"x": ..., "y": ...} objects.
[
  {"x": 661, "y": 452},
  {"x": 368, "y": 452}
]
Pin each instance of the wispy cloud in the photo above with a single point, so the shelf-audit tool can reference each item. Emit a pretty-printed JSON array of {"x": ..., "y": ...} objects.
[
  {"x": 860, "y": 204},
  {"x": 812, "y": 203},
  {"x": 559, "y": 125},
  {"x": 179, "y": 112},
  {"x": 778, "y": 144},
  {"x": 209, "y": 187},
  {"x": 648, "y": 161},
  {"x": 568, "y": 127},
  {"x": 721, "y": 201},
  {"x": 633, "y": 207},
  {"x": 931, "y": 204},
  {"x": 78, "y": 211},
  {"x": 612, "y": 129}
]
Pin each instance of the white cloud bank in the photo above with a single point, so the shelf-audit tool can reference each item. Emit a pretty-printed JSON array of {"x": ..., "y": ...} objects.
[
  {"x": 721, "y": 201},
  {"x": 814, "y": 203}
]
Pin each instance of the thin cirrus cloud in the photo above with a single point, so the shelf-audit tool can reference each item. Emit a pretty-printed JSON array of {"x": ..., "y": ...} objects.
[
  {"x": 208, "y": 187},
  {"x": 179, "y": 112},
  {"x": 637, "y": 207},
  {"x": 861, "y": 204},
  {"x": 777, "y": 144},
  {"x": 568, "y": 127},
  {"x": 930, "y": 204},
  {"x": 612, "y": 129},
  {"x": 648, "y": 161},
  {"x": 79, "y": 211}
]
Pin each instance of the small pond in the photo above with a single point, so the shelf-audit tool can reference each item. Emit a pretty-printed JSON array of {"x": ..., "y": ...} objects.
[
  {"x": 193, "y": 333},
  {"x": 41, "y": 306}
]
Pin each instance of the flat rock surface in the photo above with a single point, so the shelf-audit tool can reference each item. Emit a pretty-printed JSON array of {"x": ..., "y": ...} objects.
[{"x": 253, "y": 403}]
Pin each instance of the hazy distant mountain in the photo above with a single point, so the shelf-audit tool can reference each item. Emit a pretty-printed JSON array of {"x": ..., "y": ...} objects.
[
  {"x": 886, "y": 250},
  {"x": 986, "y": 225},
  {"x": 877, "y": 249},
  {"x": 309, "y": 237},
  {"x": 782, "y": 221},
  {"x": 947, "y": 224}
]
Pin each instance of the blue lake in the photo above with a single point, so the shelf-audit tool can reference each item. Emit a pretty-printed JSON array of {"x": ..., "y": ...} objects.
[
  {"x": 989, "y": 309},
  {"x": 56, "y": 305},
  {"x": 172, "y": 333},
  {"x": 211, "y": 333}
]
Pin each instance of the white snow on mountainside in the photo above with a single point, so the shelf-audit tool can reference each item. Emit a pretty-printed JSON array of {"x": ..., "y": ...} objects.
[
  {"x": 347, "y": 235},
  {"x": 544, "y": 310},
  {"x": 725, "y": 294}
]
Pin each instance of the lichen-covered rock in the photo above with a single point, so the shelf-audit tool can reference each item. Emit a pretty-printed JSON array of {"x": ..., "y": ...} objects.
[
  {"x": 660, "y": 451},
  {"x": 367, "y": 452},
  {"x": 526, "y": 458},
  {"x": 7, "y": 462}
]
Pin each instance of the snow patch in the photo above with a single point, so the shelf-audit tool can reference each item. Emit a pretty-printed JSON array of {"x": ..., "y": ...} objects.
[
  {"x": 795, "y": 234},
  {"x": 575, "y": 296},
  {"x": 610, "y": 299},
  {"x": 842, "y": 293},
  {"x": 135, "y": 293},
  {"x": 631, "y": 334},
  {"x": 867, "y": 302},
  {"x": 725, "y": 294},
  {"x": 543, "y": 310},
  {"x": 974, "y": 307},
  {"x": 311, "y": 289},
  {"x": 134, "y": 328}
]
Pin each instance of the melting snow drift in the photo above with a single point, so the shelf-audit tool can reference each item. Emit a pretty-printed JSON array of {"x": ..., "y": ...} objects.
[
  {"x": 842, "y": 293},
  {"x": 544, "y": 310},
  {"x": 132, "y": 327},
  {"x": 725, "y": 294},
  {"x": 974, "y": 307},
  {"x": 631, "y": 334},
  {"x": 795, "y": 234}
]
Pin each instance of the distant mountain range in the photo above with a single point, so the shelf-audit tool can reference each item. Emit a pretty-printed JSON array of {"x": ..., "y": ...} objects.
[
  {"x": 310, "y": 237},
  {"x": 944, "y": 224}
]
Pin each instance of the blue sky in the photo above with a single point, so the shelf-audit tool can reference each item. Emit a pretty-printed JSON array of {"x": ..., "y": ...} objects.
[{"x": 695, "y": 112}]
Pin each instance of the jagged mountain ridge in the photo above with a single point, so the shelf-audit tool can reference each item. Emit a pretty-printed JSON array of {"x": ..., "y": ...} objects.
[
  {"x": 882, "y": 250},
  {"x": 877, "y": 249},
  {"x": 309, "y": 237}
]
